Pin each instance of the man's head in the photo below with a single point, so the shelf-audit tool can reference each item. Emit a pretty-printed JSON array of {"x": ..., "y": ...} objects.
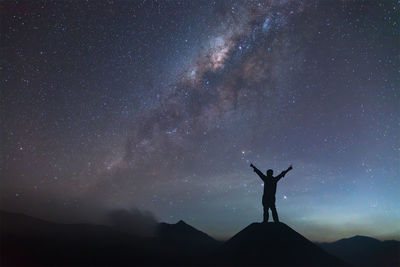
[{"x": 270, "y": 172}]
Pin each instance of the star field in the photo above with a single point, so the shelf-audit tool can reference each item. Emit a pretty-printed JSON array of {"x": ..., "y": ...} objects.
[{"x": 162, "y": 105}]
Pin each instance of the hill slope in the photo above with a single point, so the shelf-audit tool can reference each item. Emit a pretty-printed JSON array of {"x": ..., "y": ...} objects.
[
  {"x": 29, "y": 241},
  {"x": 273, "y": 244}
]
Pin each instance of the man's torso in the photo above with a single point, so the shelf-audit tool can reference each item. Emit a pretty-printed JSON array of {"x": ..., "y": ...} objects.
[{"x": 269, "y": 188}]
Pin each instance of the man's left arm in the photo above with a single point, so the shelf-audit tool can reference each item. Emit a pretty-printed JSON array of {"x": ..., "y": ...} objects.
[{"x": 282, "y": 174}]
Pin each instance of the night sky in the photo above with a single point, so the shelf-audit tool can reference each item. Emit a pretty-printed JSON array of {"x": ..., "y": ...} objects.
[{"x": 158, "y": 108}]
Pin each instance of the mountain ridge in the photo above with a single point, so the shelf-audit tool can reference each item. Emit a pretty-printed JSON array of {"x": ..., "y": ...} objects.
[
  {"x": 49, "y": 243},
  {"x": 363, "y": 250}
]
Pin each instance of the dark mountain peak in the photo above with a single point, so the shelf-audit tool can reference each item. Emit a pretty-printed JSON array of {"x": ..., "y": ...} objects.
[
  {"x": 182, "y": 233},
  {"x": 267, "y": 232},
  {"x": 181, "y": 239},
  {"x": 359, "y": 240},
  {"x": 363, "y": 238},
  {"x": 262, "y": 232},
  {"x": 358, "y": 236},
  {"x": 273, "y": 244},
  {"x": 182, "y": 224},
  {"x": 271, "y": 226}
]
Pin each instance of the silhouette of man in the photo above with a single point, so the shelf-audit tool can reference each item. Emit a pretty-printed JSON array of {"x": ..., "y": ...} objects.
[{"x": 270, "y": 182}]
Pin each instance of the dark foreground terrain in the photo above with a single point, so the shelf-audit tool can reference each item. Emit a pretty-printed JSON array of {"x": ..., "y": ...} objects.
[{"x": 28, "y": 241}]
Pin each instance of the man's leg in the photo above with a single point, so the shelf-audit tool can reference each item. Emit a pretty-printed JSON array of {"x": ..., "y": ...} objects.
[
  {"x": 266, "y": 215},
  {"x": 274, "y": 213}
]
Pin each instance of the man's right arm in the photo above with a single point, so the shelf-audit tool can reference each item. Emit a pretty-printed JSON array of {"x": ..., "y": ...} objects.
[{"x": 257, "y": 171}]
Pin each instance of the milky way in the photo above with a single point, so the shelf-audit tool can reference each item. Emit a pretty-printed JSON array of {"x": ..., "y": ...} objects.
[{"x": 161, "y": 107}]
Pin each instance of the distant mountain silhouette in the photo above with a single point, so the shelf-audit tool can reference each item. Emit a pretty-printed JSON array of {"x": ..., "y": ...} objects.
[
  {"x": 365, "y": 251},
  {"x": 273, "y": 244},
  {"x": 185, "y": 236}
]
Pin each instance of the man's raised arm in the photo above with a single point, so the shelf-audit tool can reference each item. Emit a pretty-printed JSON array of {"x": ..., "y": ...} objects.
[
  {"x": 282, "y": 174},
  {"x": 257, "y": 171}
]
